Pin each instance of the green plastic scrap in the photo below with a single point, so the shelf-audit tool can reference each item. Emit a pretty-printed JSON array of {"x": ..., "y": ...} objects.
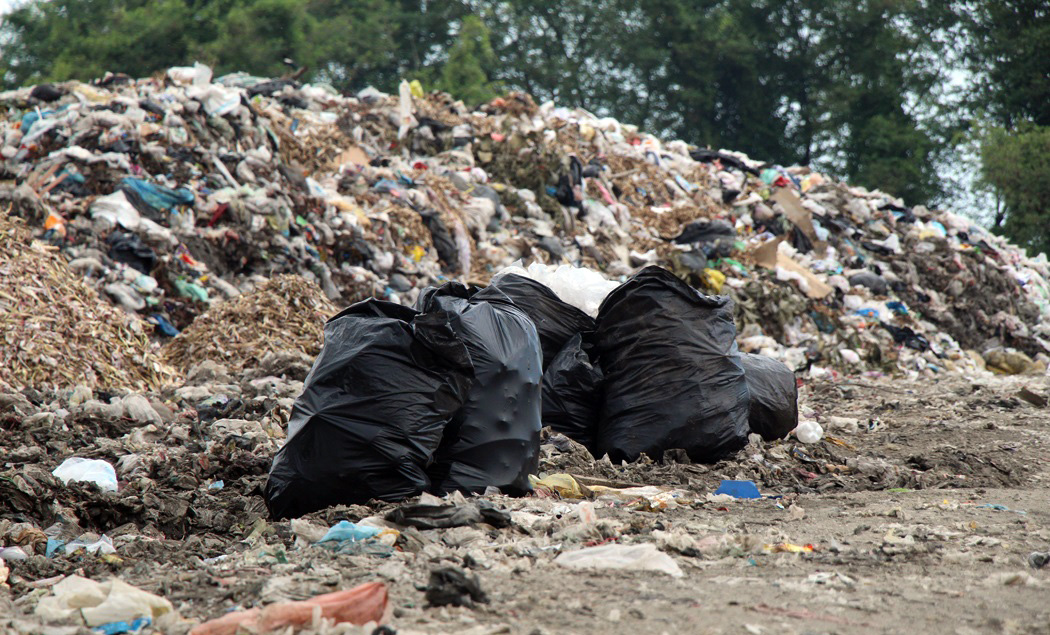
[{"x": 191, "y": 290}]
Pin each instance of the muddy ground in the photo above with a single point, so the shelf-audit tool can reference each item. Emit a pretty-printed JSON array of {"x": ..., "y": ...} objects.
[{"x": 922, "y": 506}]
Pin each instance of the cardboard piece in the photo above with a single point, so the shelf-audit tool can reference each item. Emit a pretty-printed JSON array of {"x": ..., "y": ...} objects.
[
  {"x": 353, "y": 154},
  {"x": 800, "y": 217},
  {"x": 767, "y": 255}
]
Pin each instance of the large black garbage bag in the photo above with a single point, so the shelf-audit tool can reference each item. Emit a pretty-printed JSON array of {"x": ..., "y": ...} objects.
[
  {"x": 556, "y": 321},
  {"x": 774, "y": 396},
  {"x": 494, "y": 439},
  {"x": 673, "y": 377},
  {"x": 372, "y": 411},
  {"x": 572, "y": 394}
]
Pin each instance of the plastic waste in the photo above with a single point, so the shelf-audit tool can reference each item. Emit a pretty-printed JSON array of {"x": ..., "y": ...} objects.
[
  {"x": 773, "y": 408},
  {"x": 809, "y": 432},
  {"x": 563, "y": 485},
  {"x": 583, "y": 288},
  {"x": 13, "y": 554},
  {"x": 494, "y": 439},
  {"x": 372, "y": 411},
  {"x": 454, "y": 586},
  {"x": 556, "y": 321},
  {"x": 349, "y": 538},
  {"x": 434, "y": 513},
  {"x": 738, "y": 489},
  {"x": 94, "y": 471},
  {"x": 100, "y": 602},
  {"x": 644, "y": 557},
  {"x": 345, "y": 530},
  {"x": 116, "y": 628},
  {"x": 360, "y": 605},
  {"x": 155, "y": 196},
  {"x": 673, "y": 375},
  {"x": 572, "y": 386},
  {"x": 102, "y": 546}
]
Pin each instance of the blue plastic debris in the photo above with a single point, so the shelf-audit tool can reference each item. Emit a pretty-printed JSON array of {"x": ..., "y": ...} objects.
[
  {"x": 163, "y": 325},
  {"x": 116, "y": 628},
  {"x": 157, "y": 196},
  {"x": 217, "y": 485},
  {"x": 346, "y": 531},
  {"x": 739, "y": 489},
  {"x": 53, "y": 545},
  {"x": 897, "y": 307}
]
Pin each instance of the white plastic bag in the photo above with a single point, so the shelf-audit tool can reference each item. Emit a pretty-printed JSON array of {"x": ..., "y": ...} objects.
[
  {"x": 644, "y": 557},
  {"x": 581, "y": 287},
  {"x": 100, "y": 603},
  {"x": 94, "y": 471}
]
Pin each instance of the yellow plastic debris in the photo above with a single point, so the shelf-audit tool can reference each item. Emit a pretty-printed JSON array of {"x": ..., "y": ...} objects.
[
  {"x": 561, "y": 484},
  {"x": 714, "y": 279}
]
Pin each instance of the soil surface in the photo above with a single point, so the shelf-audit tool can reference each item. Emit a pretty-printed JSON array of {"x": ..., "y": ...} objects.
[{"x": 917, "y": 513}]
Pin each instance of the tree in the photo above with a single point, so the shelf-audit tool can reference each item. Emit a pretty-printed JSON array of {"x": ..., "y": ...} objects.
[
  {"x": 465, "y": 73},
  {"x": 82, "y": 39},
  {"x": 879, "y": 79},
  {"x": 1017, "y": 165},
  {"x": 255, "y": 36}
]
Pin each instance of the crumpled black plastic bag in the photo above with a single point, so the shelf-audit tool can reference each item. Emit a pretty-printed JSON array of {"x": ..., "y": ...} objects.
[
  {"x": 673, "y": 376},
  {"x": 572, "y": 394},
  {"x": 372, "y": 411},
  {"x": 556, "y": 321},
  {"x": 494, "y": 439},
  {"x": 130, "y": 250},
  {"x": 774, "y": 396}
]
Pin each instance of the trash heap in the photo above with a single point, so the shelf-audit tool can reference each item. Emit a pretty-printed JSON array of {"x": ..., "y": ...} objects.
[
  {"x": 285, "y": 314},
  {"x": 57, "y": 332},
  {"x": 174, "y": 193}
]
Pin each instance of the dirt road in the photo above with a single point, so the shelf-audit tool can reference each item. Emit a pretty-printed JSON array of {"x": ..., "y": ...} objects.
[{"x": 922, "y": 506}]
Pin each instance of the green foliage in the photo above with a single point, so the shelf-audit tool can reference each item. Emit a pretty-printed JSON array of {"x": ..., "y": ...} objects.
[
  {"x": 350, "y": 43},
  {"x": 1011, "y": 53},
  {"x": 257, "y": 35},
  {"x": 465, "y": 74},
  {"x": 1017, "y": 165},
  {"x": 82, "y": 39}
]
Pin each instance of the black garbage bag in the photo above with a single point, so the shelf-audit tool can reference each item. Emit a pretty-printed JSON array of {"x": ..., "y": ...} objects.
[
  {"x": 129, "y": 249},
  {"x": 874, "y": 282},
  {"x": 673, "y": 376},
  {"x": 372, "y": 411},
  {"x": 556, "y": 321},
  {"x": 494, "y": 439},
  {"x": 572, "y": 394},
  {"x": 774, "y": 396},
  {"x": 706, "y": 231},
  {"x": 445, "y": 245}
]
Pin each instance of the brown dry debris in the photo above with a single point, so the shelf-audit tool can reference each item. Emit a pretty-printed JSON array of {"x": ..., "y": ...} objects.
[
  {"x": 286, "y": 314},
  {"x": 57, "y": 332}
]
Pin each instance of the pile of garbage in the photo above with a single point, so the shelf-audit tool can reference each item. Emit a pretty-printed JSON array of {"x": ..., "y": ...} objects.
[
  {"x": 178, "y": 192},
  {"x": 286, "y": 314},
  {"x": 57, "y": 332}
]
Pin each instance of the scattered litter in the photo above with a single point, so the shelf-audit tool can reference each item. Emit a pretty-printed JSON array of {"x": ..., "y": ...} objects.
[
  {"x": 644, "y": 557},
  {"x": 95, "y": 471}
]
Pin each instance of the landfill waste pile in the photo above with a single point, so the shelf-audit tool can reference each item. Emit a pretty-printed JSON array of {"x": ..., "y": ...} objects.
[
  {"x": 562, "y": 358},
  {"x": 47, "y": 312},
  {"x": 173, "y": 193},
  {"x": 285, "y": 316}
]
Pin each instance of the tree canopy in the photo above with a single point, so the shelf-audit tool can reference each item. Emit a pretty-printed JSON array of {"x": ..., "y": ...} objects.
[{"x": 855, "y": 88}]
